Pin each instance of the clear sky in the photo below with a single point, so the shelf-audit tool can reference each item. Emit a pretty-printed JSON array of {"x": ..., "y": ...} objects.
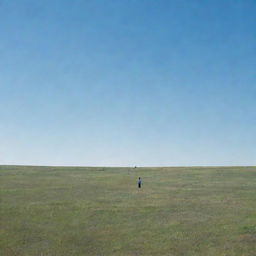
[{"x": 125, "y": 82}]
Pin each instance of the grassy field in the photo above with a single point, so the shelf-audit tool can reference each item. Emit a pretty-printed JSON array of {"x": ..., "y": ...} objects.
[{"x": 99, "y": 211}]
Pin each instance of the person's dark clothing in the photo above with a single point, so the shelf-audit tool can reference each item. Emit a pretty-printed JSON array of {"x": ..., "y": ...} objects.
[{"x": 139, "y": 183}]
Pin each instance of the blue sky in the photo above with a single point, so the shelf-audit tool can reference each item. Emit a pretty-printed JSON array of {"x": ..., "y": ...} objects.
[{"x": 125, "y": 82}]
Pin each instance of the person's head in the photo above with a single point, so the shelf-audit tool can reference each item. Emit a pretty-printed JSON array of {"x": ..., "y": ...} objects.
[{"x": 139, "y": 178}]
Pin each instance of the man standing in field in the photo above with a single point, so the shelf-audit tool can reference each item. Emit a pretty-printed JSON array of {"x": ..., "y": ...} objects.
[{"x": 139, "y": 182}]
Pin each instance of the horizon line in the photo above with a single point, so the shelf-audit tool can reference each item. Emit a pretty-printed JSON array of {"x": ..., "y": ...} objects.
[{"x": 137, "y": 166}]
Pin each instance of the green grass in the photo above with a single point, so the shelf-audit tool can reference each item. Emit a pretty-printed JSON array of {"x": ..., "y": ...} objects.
[{"x": 99, "y": 211}]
